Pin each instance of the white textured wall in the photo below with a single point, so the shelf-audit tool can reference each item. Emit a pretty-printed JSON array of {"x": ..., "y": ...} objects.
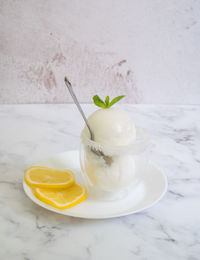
[{"x": 146, "y": 49}]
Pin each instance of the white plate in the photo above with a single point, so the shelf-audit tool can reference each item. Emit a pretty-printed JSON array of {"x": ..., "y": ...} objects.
[{"x": 146, "y": 194}]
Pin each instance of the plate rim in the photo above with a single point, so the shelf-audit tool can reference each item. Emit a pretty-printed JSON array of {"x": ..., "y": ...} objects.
[{"x": 27, "y": 191}]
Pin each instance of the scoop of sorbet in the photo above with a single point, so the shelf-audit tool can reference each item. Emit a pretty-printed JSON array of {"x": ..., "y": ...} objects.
[{"x": 111, "y": 127}]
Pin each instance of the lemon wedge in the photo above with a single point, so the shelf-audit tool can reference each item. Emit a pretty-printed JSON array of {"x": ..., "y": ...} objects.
[
  {"x": 43, "y": 177},
  {"x": 62, "y": 199}
]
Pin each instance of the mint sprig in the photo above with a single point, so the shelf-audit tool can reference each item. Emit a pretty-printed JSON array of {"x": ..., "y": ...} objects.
[
  {"x": 106, "y": 104},
  {"x": 107, "y": 99}
]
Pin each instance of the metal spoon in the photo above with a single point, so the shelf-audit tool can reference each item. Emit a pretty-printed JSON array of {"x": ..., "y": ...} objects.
[
  {"x": 69, "y": 86},
  {"x": 107, "y": 159}
]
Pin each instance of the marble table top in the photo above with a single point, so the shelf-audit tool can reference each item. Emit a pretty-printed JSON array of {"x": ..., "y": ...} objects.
[{"x": 169, "y": 230}]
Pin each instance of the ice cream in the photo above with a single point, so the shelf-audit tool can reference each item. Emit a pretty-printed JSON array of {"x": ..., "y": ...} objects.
[
  {"x": 111, "y": 127},
  {"x": 113, "y": 177}
]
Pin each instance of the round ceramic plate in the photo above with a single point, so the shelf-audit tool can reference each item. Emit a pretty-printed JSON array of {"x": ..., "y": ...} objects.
[{"x": 146, "y": 194}]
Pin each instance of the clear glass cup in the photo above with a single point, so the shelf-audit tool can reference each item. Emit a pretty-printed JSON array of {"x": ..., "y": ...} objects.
[{"x": 111, "y": 171}]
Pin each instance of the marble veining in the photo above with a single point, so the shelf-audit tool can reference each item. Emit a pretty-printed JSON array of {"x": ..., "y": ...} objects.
[{"x": 169, "y": 230}]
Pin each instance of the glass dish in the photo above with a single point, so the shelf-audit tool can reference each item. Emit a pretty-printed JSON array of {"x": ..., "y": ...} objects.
[{"x": 110, "y": 171}]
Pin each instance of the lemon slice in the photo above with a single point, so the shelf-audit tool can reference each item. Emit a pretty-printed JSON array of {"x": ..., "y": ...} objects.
[
  {"x": 62, "y": 199},
  {"x": 44, "y": 177}
]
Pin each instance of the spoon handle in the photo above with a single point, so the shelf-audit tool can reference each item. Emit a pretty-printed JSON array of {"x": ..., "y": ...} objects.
[{"x": 69, "y": 86}]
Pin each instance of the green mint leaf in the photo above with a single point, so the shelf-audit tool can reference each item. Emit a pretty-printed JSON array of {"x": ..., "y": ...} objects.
[
  {"x": 115, "y": 100},
  {"x": 107, "y": 99},
  {"x": 99, "y": 102}
]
